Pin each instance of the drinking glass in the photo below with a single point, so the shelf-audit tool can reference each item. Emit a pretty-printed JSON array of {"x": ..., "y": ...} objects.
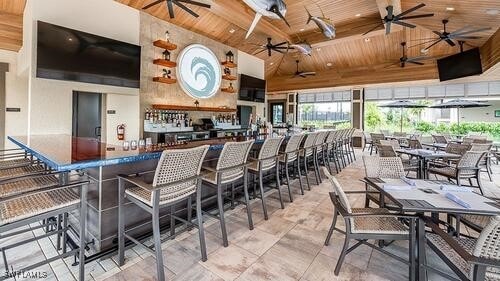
[
  {"x": 149, "y": 142},
  {"x": 142, "y": 144},
  {"x": 133, "y": 145},
  {"x": 126, "y": 145}
]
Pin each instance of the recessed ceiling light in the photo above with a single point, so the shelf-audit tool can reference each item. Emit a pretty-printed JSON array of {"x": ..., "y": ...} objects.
[
  {"x": 302, "y": 29},
  {"x": 318, "y": 49},
  {"x": 450, "y": 9},
  {"x": 492, "y": 12},
  {"x": 357, "y": 15},
  {"x": 424, "y": 51},
  {"x": 329, "y": 64},
  {"x": 271, "y": 63},
  {"x": 367, "y": 39},
  {"x": 70, "y": 39},
  {"x": 232, "y": 30}
]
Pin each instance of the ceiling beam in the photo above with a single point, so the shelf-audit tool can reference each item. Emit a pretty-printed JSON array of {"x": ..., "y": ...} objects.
[
  {"x": 345, "y": 32},
  {"x": 11, "y": 31},
  {"x": 356, "y": 76},
  {"x": 490, "y": 51},
  {"x": 241, "y": 15}
]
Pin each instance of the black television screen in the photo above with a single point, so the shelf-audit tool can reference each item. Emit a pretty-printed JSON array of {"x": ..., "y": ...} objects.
[
  {"x": 252, "y": 89},
  {"x": 460, "y": 65},
  {"x": 68, "y": 54}
]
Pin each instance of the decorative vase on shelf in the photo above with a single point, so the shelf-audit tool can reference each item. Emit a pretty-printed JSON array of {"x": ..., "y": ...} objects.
[{"x": 167, "y": 36}]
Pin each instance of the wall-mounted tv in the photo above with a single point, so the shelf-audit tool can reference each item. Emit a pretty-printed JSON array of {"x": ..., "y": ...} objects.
[
  {"x": 252, "y": 89},
  {"x": 72, "y": 55},
  {"x": 460, "y": 65}
]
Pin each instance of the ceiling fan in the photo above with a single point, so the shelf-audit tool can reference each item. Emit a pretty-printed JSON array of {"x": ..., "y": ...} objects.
[
  {"x": 269, "y": 47},
  {"x": 390, "y": 18},
  {"x": 405, "y": 59},
  {"x": 459, "y": 35},
  {"x": 302, "y": 74},
  {"x": 179, "y": 3}
]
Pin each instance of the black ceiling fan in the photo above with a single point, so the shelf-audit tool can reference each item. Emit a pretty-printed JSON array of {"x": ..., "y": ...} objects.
[
  {"x": 405, "y": 59},
  {"x": 302, "y": 74},
  {"x": 179, "y": 3},
  {"x": 461, "y": 34},
  {"x": 269, "y": 47},
  {"x": 390, "y": 18}
]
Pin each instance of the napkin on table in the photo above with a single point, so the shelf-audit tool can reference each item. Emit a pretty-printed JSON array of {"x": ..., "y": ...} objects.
[
  {"x": 398, "y": 187},
  {"x": 456, "y": 188},
  {"x": 457, "y": 200},
  {"x": 409, "y": 181}
]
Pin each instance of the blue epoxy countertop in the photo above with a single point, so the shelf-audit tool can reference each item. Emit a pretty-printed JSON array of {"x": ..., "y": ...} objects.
[{"x": 66, "y": 153}]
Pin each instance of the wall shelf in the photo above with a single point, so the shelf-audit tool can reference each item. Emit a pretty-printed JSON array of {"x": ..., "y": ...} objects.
[
  {"x": 192, "y": 108},
  {"x": 165, "y": 45},
  {"x": 229, "y": 64},
  {"x": 164, "y": 80},
  {"x": 228, "y": 90},
  {"x": 229, "y": 77},
  {"x": 165, "y": 63}
]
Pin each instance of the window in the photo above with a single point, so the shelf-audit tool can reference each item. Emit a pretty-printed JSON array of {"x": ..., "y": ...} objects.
[
  {"x": 277, "y": 113},
  {"x": 326, "y": 113}
]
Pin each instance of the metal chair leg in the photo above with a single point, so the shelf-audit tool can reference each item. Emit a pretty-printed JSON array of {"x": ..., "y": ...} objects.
[
  {"x": 306, "y": 171},
  {"x": 220, "y": 204},
  {"x": 65, "y": 233},
  {"x": 201, "y": 230},
  {"x": 247, "y": 201},
  {"x": 264, "y": 208},
  {"x": 172, "y": 221},
  {"x": 342, "y": 256},
  {"x": 59, "y": 227},
  {"x": 83, "y": 229},
  {"x": 288, "y": 182},
  {"x": 121, "y": 223},
  {"x": 300, "y": 176},
  {"x": 278, "y": 185},
  {"x": 332, "y": 228},
  {"x": 157, "y": 242}
]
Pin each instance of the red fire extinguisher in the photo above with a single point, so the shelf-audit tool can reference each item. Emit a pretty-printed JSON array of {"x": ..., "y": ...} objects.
[{"x": 120, "y": 131}]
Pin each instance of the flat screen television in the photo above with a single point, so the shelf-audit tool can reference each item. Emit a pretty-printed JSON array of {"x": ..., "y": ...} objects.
[
  {"x": 463, "y": 64},
  {"x": 252, "y": 89},
  {"x": 72, "y": 55}
]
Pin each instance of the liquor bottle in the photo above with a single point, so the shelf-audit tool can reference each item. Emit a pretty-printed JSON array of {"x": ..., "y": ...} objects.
[
  {"x": 178, "y": 123},
  {"x": 146, "y": 116}
]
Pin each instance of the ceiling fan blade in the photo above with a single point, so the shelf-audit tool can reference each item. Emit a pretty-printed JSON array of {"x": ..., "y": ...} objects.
[
  {"x": 423, "y": 43},
  {"x": 259, "y": 52},
  {"x": 431, "y": 45},
  {"x": 418, "y": 58},
  {"x": 280, "y": 44},
  {"x": 411, "y": 10},
  {"x": 470, "y": 31},
  {"x": 367, "y": 24},
  {"x": 393, "y": 64},
  {"x": 170, "y": 7},
  {"x": 309, "y": 73},
  {"x": 182, "y": 6},
  {"x": 302, "y": 75},
  {"x": 438, "y": 33},
  {"x": 416, "y": 16},
  {"x": 152, "y": 4},
  {"x": 404, "y": 24},
  {"x": 269, "y": 51},
  {"x": 428, "y": 38},
  {"x": 282, "y": 48},
  {"x": 195, "y": 3},
  {"x": 373, "y": 29},
  {"x": 466, "y": 37},
  {"x": 465, "y": 28},
  {"x": 416, "y": 62},
  {"x": 450, "y": 42},
  {"x": 387, "y": 28},
  {"x": 390, "y": 11},
  {"x": 278, "y": 50}
]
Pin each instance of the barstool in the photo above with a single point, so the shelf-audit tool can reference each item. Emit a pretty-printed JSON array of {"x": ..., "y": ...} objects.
[
  {"x": 329, "y": 150},
  {"x": 176, "y": 178},
  {"x": 231, "y": 167},
  {"x": 36, "y": 199},
  {"x": 291, "y": 156},
  {"x": 267, "y": 160},
  {"x": 11, "y": 158},
  {"x": 306, "y": 152},
  {"x": 318, "y": 150}
]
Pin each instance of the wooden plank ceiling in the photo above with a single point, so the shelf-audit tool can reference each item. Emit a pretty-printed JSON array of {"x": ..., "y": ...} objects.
[
  {"x": 350, "y": 56},
  {"x": 11, "y": 24}
]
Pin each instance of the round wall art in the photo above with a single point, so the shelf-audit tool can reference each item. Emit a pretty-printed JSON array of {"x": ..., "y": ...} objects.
[{"x": 199, "y": 71}]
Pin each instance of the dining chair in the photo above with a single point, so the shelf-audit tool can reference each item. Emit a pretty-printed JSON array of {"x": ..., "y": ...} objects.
[
  {"x": 466, "y": 168},
  {"x": 486, "y": 160},
  {"x": 175, "y": 180},
  {"x": 231, "y": 167},
  {"x": 439, "y": 139},
  {"x": 469, "y": 258},
  {"x": 364, "y": 224},
  {"x": 386, "y": 151},
  {"x": 376, "y": 138},
  {"x": 368, "y": 140},
  {"x": 381, "y": 167}
]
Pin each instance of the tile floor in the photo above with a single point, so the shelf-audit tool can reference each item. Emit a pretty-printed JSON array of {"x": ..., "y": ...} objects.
[{"x": 288, "y": 246}]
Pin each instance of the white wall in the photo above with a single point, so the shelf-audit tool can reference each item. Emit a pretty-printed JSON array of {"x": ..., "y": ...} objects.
[
  {"x": 482, "y": 114},
  {"x": 252, "y": 66},
  {"x": 127, "y": 112},
  {"x": 16, "y": 95},
  {"x": 50, "y": 101}
]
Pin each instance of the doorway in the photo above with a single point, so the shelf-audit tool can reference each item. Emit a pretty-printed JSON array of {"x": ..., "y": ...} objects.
[
  {"x": 87, "y": 115},
  {"x": 277, "y": 112}
]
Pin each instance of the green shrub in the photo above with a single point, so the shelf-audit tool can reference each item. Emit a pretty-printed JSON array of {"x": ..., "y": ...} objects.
[{"x": 424, "y": 127}]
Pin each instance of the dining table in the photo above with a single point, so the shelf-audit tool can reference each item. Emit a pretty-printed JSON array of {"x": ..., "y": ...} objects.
[
  {"x": 424, "y": 156},
  {"x": 421, "y": 196}
]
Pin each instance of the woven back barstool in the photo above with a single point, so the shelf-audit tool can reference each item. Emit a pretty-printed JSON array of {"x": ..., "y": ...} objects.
[
  {"x": 291, "y": 156},
  {"x": 319, "y": 153},
  {"x": 331, "y": 152},
  {"x": 266, "y": 161},
  {"x": 231, "y": 167},
  {"x": 34, "y": 199},
  {"x": 176, "y": 178},
  {"x": 376, "y": 138},
  {"x": 306, "y": 152},
  {"x": 386, "y": 151},
  {"x": 17, "y": 157},
  {"x": 349, "y": 148}
]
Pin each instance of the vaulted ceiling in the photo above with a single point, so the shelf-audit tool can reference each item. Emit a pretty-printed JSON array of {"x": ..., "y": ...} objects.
[
  {"x": 11, "y": 24},
  {"x": 351, "y": 57}
]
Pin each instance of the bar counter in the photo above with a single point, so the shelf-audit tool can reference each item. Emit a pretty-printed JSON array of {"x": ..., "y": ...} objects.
[{"x": 102, "y": 163}]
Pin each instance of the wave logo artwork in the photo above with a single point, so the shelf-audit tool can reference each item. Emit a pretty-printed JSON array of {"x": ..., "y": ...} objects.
[{"x": 199, "y": 71}]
